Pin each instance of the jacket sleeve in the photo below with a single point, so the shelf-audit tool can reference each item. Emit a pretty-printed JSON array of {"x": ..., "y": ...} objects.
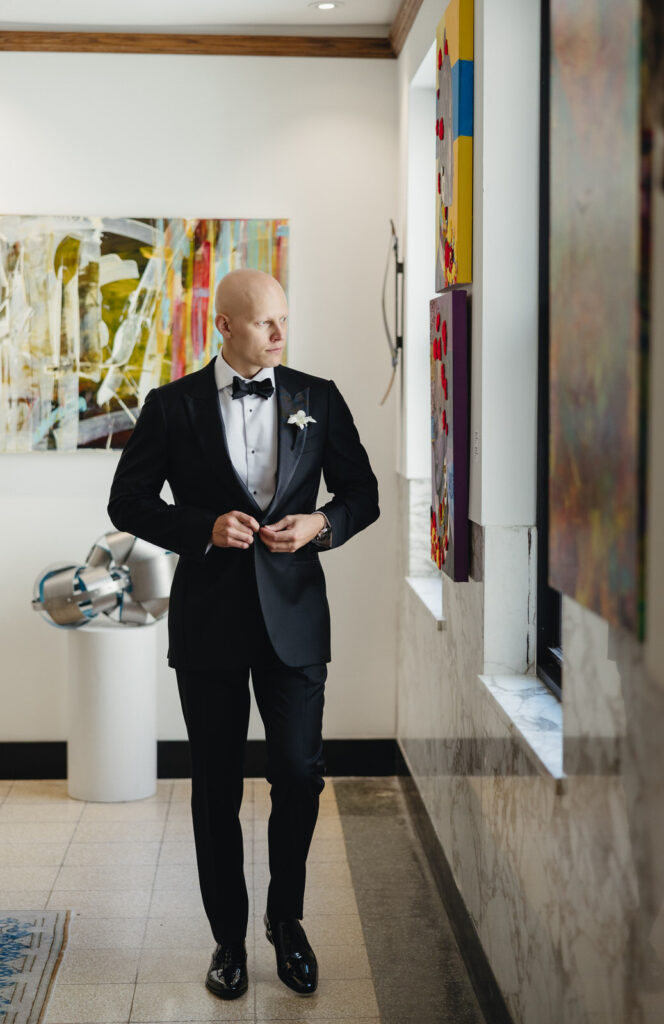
[
  {"x": 347, "y": 473},
  {"x": 135, "y": 504}
]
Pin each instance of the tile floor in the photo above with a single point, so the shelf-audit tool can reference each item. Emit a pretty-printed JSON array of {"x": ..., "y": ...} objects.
[{"x": 140, "y": 943}]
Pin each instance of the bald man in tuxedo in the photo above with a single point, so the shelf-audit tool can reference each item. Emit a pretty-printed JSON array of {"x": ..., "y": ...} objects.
[{"x": 242, "y": 443}]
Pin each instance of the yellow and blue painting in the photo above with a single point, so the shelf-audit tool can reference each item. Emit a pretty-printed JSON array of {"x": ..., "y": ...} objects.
[
  {"x": 96, "y": 311},
  {"x": 454, "y": 145}
]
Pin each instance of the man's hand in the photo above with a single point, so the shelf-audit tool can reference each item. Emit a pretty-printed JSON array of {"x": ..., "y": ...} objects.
[
  {"x": 292, "y": 532},
  {"x": 234, "y": 530}
]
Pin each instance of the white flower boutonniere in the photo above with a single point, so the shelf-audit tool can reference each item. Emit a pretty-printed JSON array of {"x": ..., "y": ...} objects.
[{"x": 300, "y": 418}]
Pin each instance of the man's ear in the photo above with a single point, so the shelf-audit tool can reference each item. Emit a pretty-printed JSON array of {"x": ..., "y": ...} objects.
[{"x": 221, "y": 323}]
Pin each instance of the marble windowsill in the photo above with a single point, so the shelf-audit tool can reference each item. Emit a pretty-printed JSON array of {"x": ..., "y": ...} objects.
[
  {"x": 429, "y": 589},
  {"x": 534, "y": 717}
]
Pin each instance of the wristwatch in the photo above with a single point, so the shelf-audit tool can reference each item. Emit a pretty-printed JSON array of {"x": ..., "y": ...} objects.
[{"x": 324, "y": 535}]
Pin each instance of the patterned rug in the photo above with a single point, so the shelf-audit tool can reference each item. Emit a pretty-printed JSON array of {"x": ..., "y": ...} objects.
[{"x": 31, "y": 946}]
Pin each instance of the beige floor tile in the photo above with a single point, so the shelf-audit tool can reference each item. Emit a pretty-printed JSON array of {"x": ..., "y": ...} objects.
[
  {"x": 178, "y": 828},
  {"x": 106, "y": 932},
  {"x": 24, "y": 899},
  {"x": 100, "y": 1003},
  {"x": 319, "y": 900},
  {"x": 159, "y": 965},
  {"x": 190, "y": 932},
  {"x": 187, "y": 1001},
  {"x": 38, "y": 790},
  {"x": 176, "y": 902},
  {"x": 328, "y": 828},
  {"x": 84, "y": 854},
  {"x": 28, "y": 876},
  {"x": 118, "y": 831},
  {"x": 57, "y": 810},
  {"x": 182, "y": 809},
  {"x": 177, "y": 852},
  {"x": 333, "y": 930},
  {"x": 181, "y": 828},
  {"x": 320, "y": 850},
  {"x": 31, "y": 832},
  {"x": 181, "y": 790},
  {"x": 126, "y": 810},
  {"x": 326, "y": 809},
  {"x": 27, "y": 853},
  {"x": 345, "y": 998},
  {"x": 336, "y": 872},
  {"x": 131, "y": 903},
  {"x": 106, "y": 877},
  {"x": 88, "y": 966},
  {"x": 187, "y": 932},
  {"x": 334, "y": 962},
  {"x": 177, "y": 876},
  {"x": 328, "y": 1020}
]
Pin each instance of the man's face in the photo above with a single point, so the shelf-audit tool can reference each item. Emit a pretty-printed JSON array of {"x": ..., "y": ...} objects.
[{"x": 255, "y": 334}]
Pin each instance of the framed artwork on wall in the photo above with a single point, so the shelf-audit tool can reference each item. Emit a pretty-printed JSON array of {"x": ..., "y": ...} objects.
[
  {"x": 598, "y": 300},
  {"x": 454, "y": 145},
  {"x": 449, "y": 433},
  {"x": 95, "y": 311}
]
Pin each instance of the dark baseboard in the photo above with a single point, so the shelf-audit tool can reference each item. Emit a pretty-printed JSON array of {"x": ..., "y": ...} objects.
[
  {"x": 48, "y": 760},
  {"x": 483, "y": 980}
]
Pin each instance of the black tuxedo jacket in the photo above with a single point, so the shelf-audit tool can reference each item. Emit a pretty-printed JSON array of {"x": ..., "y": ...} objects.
[{"x": 180, "y": 437}]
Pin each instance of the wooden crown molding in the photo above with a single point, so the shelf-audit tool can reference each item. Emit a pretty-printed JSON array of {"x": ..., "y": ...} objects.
[
  {"x": 402, "y": 24},
  {"x": 185, "y": 43}
]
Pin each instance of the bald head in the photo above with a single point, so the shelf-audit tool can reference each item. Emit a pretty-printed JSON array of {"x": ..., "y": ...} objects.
[
  {"x": 252, "y": 315},
  {"x": 245, "y": 291}
]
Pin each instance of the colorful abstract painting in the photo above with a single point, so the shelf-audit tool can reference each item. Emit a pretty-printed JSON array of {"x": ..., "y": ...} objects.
[
  {"x": 95, "y": 311},
  {"x": 599, "y": 209},
  {"x": 449, "y": 433},
  {"x": 454, "y": 145}
]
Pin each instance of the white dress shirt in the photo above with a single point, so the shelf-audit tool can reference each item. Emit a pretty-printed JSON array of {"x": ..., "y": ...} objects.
[{"x": 250, "y": 423}]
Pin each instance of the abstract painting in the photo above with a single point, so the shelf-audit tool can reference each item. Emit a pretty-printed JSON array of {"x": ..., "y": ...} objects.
[
  {"x": 599, "y": 214},
  {"x": 454, "y": 145},
  {"x": 449, "y": 433},
  {"x": 95, "y": 311}
]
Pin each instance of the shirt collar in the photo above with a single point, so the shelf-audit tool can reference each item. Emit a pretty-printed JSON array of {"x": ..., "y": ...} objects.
[{"x": 224, "y": 373}]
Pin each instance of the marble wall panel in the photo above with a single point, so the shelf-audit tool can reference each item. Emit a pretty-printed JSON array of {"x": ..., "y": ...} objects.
[{"x": 566, "y": 889}]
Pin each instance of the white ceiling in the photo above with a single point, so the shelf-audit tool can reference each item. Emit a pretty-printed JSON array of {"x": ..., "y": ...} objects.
[{"x": 204, "y": 15}]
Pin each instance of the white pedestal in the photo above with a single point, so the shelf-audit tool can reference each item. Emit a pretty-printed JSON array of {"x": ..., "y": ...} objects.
[{"x": 112, "y": 736}]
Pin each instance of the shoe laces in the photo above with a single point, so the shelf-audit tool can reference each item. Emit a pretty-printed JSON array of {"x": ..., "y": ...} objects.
[{"x": 229, "y": 955}]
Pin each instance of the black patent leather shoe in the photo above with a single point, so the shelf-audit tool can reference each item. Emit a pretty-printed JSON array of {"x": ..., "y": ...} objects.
[
  {"x": 227, "y": 974},
  {"x": 296, "y": 961}
]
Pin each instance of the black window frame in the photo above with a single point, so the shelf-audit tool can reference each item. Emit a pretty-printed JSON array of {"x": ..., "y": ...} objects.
[{"x": 549, "y": 601}]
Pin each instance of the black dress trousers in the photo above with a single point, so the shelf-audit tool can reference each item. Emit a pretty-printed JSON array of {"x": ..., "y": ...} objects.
[{"x": 216, "y": 706}]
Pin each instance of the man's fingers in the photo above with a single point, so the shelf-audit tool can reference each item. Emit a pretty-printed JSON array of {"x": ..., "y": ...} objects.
[
  {"x": 248, "y": 520},
  {"x": 239, "y": 534}
]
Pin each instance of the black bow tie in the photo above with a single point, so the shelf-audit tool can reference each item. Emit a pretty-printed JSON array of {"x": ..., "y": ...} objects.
[{"x": 241, "y": 387}]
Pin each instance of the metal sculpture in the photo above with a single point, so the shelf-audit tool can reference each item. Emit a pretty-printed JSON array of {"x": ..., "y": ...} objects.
[{"x": 125, "y": 578}]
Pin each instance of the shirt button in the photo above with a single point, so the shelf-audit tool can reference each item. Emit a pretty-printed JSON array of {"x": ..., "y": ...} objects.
[{"x": 252, "y": 451}]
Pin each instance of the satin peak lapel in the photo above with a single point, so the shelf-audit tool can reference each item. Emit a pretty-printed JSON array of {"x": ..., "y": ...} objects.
[
  {"x": 202, "y": 404},
  {"x": 291, "y": 438}
]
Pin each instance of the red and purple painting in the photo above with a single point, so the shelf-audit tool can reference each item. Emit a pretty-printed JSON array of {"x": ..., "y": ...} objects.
[{"x": 449, "y": 433}]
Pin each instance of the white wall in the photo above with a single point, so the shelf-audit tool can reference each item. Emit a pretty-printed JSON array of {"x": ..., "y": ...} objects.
[
  {"x": 314, "y": 140},
  {"x": 505, "y": 231}
]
